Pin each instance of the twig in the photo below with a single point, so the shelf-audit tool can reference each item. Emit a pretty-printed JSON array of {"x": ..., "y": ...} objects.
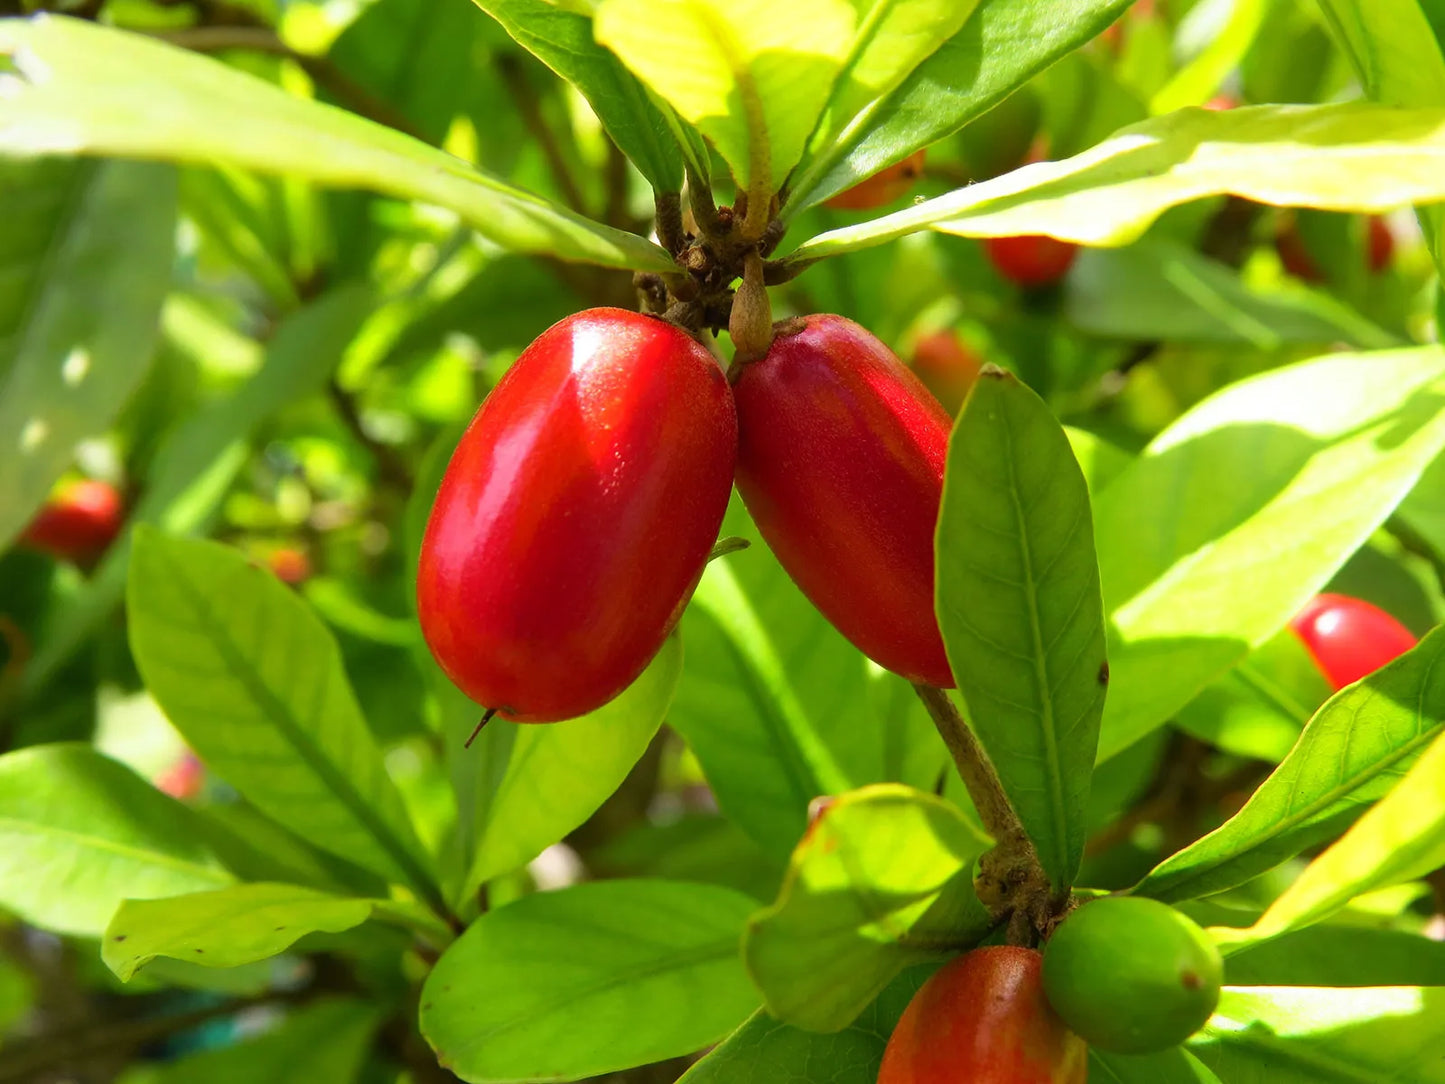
[
  {"x": 525, "y": 99},
  {"x": 390, "y": 465}
]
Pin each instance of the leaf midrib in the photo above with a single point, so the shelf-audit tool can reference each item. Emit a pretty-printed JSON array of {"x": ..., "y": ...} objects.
[{"x": 124, "y": 850}]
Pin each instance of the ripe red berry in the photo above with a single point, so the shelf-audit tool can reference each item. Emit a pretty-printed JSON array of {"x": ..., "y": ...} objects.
[
  {"x": 1297, "y": 260},
  {"x": 79, "y": 523},
  {"x": 882, "y": 188},
  {"x": 983, "y": 1019},
  {"x": 576, "y": 515},
  {"x": 1349, "y": 638},
  {"x": 1031, "y": 260},
  {"x": 947, "y": 366},
  {"x": 841, "y": 453},
  {"x": 1380, "y": 243},
  {"x": 290, "y": 566}
]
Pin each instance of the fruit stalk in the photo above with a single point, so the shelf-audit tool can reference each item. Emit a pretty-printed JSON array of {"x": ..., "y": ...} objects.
[{"x": 1011, "y": 879}]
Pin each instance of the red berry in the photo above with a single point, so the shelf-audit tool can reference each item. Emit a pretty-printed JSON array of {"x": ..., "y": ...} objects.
[
  {"x": 1380, "y": 243},
  {"x": 841, "y": 453},
  {"x": 79, "y": 523},
  {"x": 184, "y": 779},
  {"x": 947, "y": 366},
  {"x": 1349, "y": 638},
  {"x": 1221, "y": 103},
  {"x": 290, "y": 566},
  {"x": 1295, "y": 257},
  {"x": 983, "y": 1019},
  {"x": 1031, "y": 260},
  {"x": 576, "y": 515},
  {"x": 882, "y": 188}
]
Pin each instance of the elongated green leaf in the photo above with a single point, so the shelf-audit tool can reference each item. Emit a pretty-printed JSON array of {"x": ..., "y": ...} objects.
[
  {"x": 752, "y": 75},
  {"x": 764, "y": 1049},
  {"x": 1159, "y": 289},
  {"x": 80, "y": 88},
  {"x": 1003, "y": 46},
  {"x": 86, "y": 262},
  {"x": 1020, "y": 609},
  {"x": 1214, "y": 538},
  {"x": 1350, "y": 157},
  {"x": 586, "y": 980},
  {"x": 1173, "y": 1066},
  {"x": 327, "y": 1040},
  {"x": 1401, "y": 838},
  {"x": 564, "y": 41},
  {"x": 1336, "y": 955},
  {"x": 1195, "y": 82},
  {"x": 1352, "y": 752},
  {"x": 779, "y": 708},
  {"x": 892, "y": 39},
  {"x": 195, "y": 463},
  {"x": 1297, "y": 1035},
  {"x": 79, "y": 833},
  {"x": 558, "y": 775},
  {"x": 253, "y": 680},
  {"x": 225, "y": 928},
  {"x": 882, "y": 879}
]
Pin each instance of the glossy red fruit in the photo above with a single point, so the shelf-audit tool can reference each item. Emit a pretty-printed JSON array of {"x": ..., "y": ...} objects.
[
  {"x": 78, "y": 523},
  {"x": 1379, "y": 243},
  {"x": 576, "y": 515},
  {"x": 841, "y": 453},
  {"x": 882, "y": 188},
  {"x": 947, "y": 366},
  {"x": 1031, "y": 260},
  {"x": 983, "y": 1019},
  {"x": 1349, "y": 638}
]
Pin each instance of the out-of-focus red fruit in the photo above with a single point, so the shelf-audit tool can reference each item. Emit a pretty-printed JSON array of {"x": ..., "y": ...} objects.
[
  {"x": 882, "y": 188},
  {"x": 983, "y": 1019},
  {"x": 1380, "y": 243},
  {"x": 1221, "y": 103},
  {"x": 290, "y": 566},
  {"x": 1295, "y": 257},
  {"x": 1031, "y": 260},
  {"x": 1349, "y": 638},
  {"x": 183, "y": 779},
  {"x": 841, "y": 453},
  {"x": 78, "y": 523},
  {"x": 576, "y": 515},
  {"x": 947, "y": 366}
]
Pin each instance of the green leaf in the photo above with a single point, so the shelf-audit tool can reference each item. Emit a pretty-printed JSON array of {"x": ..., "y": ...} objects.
[
  {"x": 764, "y": 1050},
  {"x": 752, "y": 75},
  {"x": 1158, "y": 289},
  {"x": 79, "y": 833},
  {"x": 87, "y": 261},
  {"x": 1297, "y": 1035},
  {"x": 253, "y": 680},
  {"x": 882, "y": 879},
  {"x": 1173, "y": 1066},
  {"x": 196, "y": 462},
  {"x": 1201, "y": 77},
  {"x": 80, "y": 88},
  {"x": 328, "y": 1040},
  {"x": 1195, "y": 572},
  {"x": 590, "y": 979},
  {"x": 225, "y": 928},
  {"x": 1020, "y": 609},
  {"x": 779, "y": 708},
  {"x": 1400, "y": 839},
  {"x": 1004, "y": 45},
  {"x": 893, "y": 38},
  {"x": 1337, "y": 955},
  {"x": 1391, "y": 47},
  {"x": 1352, "y": 752},
  {"x": 559, "y": 774},
  {"x": 1349, "y": 157},
  {"x": 564, "y": 41}
]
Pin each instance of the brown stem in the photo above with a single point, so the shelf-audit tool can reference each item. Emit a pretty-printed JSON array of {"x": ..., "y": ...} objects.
[
  {"x": 525, "y": 99},
  {"x": 704, "y": 208},
  {"x": 1011, "y": 879},
  {"x": 389, "y": 463},
  {"x": 669, "y": 221}
]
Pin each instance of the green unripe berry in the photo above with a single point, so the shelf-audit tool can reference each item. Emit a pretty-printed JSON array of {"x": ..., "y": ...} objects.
[{"x": 1132, "y": 975}]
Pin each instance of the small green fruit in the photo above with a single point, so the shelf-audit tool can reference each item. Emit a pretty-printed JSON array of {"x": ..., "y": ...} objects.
[{"x": 1132, "y": 975}]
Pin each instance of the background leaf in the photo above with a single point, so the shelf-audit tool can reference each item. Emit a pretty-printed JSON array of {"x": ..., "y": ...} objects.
[
  {"x": 1354, "y": 750},
  {"x": 1173, "y": 1066},
  {"x": 79, "y": 833},
  {"x": 225, "y": 928},
  {"x": 1242, "y": 509},
  {"x": 1020, "y": 610},
  {"x": 585, "y": 980},
  {"x": 87, "y": 260},
  {"x": 253, "y": 680},
  {"x": 95, "y": 90},
  {"x": 882, "y": 879}
]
